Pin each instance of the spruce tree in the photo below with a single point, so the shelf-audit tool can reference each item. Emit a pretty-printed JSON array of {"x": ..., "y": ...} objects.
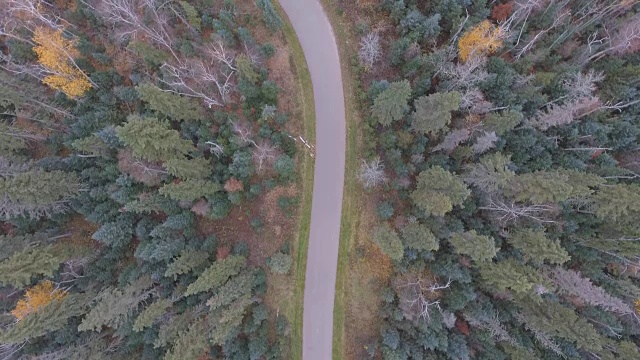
[
  {"x": 18, "y": 269},
  {"x": 151, "y": 313},
  {"x": 388, "y": 241},
  {"x": 186, "y": 262},
  {"x": 216, "y": 275},
  {"x": 419, "y": 237},
  {"x": 172, "y": 105},
  {"x": 152, "y": 140},
  {"x": 537, "y": 248},
  {"x": 196, "y": 168},
  {"x": 190, "y": 344},
  {"x": 391, "y": 104},
  {"x": 438, "y": 191},
  {"x": 190, "y": 190},
  {"x": 477, "y": 247},
  {"x": 433, "y": 112}
]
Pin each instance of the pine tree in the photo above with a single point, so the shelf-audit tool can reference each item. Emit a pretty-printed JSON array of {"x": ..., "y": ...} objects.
[
  {"x": 270, "y": 15},
  {"x": 216, "y": 275},
  {"x": 18, "y": 269},
  {"x": 225, "y": 320},
  {"x": 16, "y": 243},
  {"x": 537, "y": 248},
  {"x": 55, "y": 54},
  {"x": 192, "y": 15},
  {"x": 477, "y": 247},
  {"x": 510, "y": 274},
  {"x": 235, "y": 288},
  {"x": 490, "y": 174},
  {"x": 280, "y": 263},
  {"x": 552, "y": 186},
  {"x": 388, "y": 241},
  {"x": 47, "y": 319},
  {"x": 391, "y": 104},
  {"x": 438, "y": 191},
  {"x": 190, "y": 190},
  {"x": 192, "y": 343},
  {"x": 433, "y": 112},
  {"x": 502, "y": 123},
  {"x": 172, "y": 105},
  {"x": 196, "y": 168},
  {"x": 150, "y": 203},
  {"x": 152, "y": 140},
  {"x": 114, "y": 306},
  {"x": 151, "y": 313},
  {"x": 186, "y": 262},
  {"x": 558, "y": 321},
  {"x": 36, "y": 298},
  {"x": 419, "y": 237},
  {"x": 35, "y": 193},
  {"x": 618, "y": 202}
]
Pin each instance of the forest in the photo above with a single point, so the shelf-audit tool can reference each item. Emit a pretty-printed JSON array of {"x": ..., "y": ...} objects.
[
  {"x": 148, "y": 178},
  {"x": 501, "y": 166}
]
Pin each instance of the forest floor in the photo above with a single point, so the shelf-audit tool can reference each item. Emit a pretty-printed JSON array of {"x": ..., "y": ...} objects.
[
  {"x": 363, "y": 270},
  {"x": 281, "y": 229}
]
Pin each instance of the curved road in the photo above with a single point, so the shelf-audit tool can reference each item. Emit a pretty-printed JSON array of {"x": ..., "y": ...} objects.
[{"x": 316, "y": 37}]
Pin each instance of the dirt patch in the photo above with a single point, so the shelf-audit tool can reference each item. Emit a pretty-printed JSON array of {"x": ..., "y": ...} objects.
[{"x": 262, "y": 241}]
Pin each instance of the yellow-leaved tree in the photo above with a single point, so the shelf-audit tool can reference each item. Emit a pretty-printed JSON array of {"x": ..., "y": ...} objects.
[
  {"x": 484, "y": 38},
  {"x": 56, "y": 54},
  {"x": 36, "y": 298}
]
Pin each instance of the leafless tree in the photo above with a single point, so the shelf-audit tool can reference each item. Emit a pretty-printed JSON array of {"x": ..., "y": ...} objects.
[
  {"x": 465, "y": 75},
  {"x": 570, "y": 282},
  {"x": 199, "y": 79},
  {"x": 452, "y": 140},
  {"x": 216, "y": 149},
  {"x": 507, "y": 212},
  {"x": 371, "y": 173},
  {"x": 418, "y": 295},
  {"x": 370, "y": 50},
  {"x": 485, "y": 142},
  {"x": 492, "y": 324},
  {"x": 135, "y": 18},
  {"x": 264, "y": 154},
  {"x": 558, "y": 115},
  {"x": 543, "y": 338},
  {"x": 581, "y": 85}
]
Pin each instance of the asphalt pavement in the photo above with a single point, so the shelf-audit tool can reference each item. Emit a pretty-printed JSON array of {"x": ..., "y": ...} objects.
[{"x": 318, "y": 43}]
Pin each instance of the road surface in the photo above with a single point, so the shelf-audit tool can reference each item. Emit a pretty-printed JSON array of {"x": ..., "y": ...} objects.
[{"x": 316, "y": 37}]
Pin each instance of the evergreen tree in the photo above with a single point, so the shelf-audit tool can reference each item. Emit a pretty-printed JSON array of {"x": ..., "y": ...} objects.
[
  {"x": 270, "y": 15},
  {"x": 190, "y": 344},
  {"x": 419, "y": 237},
  {"x": 46, "y": 320},
  {"x": 477, "y": 247},
  {"x": 196, "y": 168},
  {"x": 114, "y": 306},
  {"x": 433, "y": 112},
  {"x": 35, "y": 193},
  {"x": 235, "y": 288},
  {"x": 170, "y": 104},
  {"x": 224, "y": 321},
  {"x": 503, "y": 122},
  {"x": 537, "y": 248},
  {"x": 152, "y": 140},
  {"x": 280, "y": 263},
  {"x": 186, "y": 262},
  {"x": 510, "y": 274},
  {"x": 388, "y": 241},
  {"x": 151, "y": 313},
  {"x": 216, "y": 275},
  {"x": 18, "y": 269},
  {"x": 391, "y": 104},
  {"x": 438, "y": 191}
]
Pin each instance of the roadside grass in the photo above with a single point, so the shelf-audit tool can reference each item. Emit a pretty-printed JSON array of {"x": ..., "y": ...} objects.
[{"x": 307, "y": 118}]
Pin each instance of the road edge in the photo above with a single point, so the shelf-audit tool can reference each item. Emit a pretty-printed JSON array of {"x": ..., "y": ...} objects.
[
  {"x": 351, "y": 200},
  {"x": 306, "y": 100}
]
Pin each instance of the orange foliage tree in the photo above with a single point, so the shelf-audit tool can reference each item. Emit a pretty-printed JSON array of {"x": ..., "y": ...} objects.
[
  {"x": 36, "y": 298},
  {"x": 55, "y": 54},
  {"x": 483, "y": 39}
]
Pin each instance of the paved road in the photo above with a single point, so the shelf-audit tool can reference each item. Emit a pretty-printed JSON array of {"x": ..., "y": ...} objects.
[{"x": 320, "y": 50}]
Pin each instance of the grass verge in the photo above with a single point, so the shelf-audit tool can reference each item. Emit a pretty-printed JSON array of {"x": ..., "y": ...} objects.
[
  {"x": 308, "y": 118},
  {"x": 351, "y": 204}
]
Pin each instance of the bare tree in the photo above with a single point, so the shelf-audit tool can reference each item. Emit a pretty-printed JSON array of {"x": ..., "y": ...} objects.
[
  {"x": 465, "y": 75},
  {"x": 134, "y": 18},
  {"x": 492, "y": 324},
  {"x": 570, "y": 282},
  {"x": 453, "y": 139},
  {"x": 370, "y": 50},
  {"x": 485, "y": 142},
  {"x": 507, "y": 212},
  {"x": 418, "y": 295},
  {"x": 264, "y": 154},
  {"x": 371, "y": 173},
  {"x": 558, "y": 115}
]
